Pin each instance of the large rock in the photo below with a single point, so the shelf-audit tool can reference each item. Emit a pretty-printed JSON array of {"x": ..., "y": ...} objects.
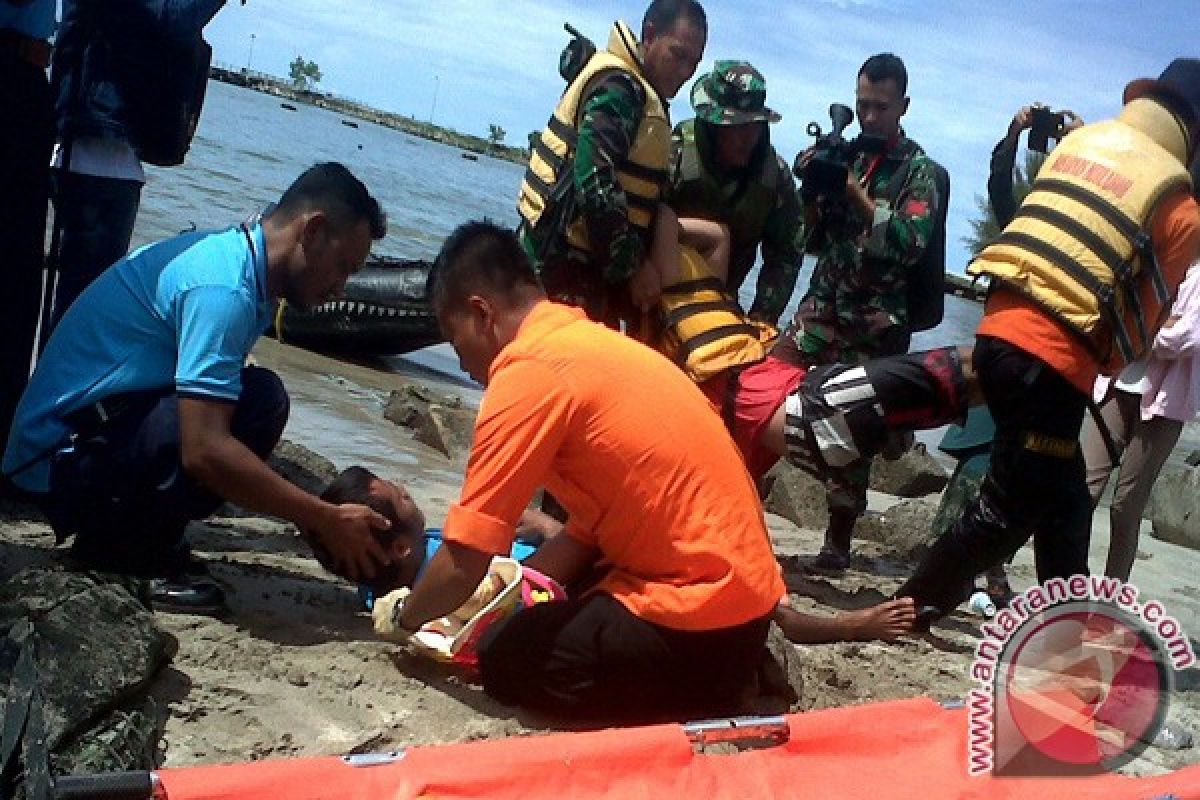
[
  {"x": 1174, "y": 507},
  {"x": 797, "y": 496},
  {"x": 780, "y": 676},
  {"x": 914, "y": 474},
  {"x": 437, "y": 421},
  {"x": 905, "y": 530}
]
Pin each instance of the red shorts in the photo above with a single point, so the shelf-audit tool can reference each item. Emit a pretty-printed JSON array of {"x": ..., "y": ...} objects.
[{"x": 761, "y": 391}]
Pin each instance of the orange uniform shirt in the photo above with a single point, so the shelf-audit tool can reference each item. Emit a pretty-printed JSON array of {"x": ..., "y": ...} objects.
[
  {"x": 647, "y": 472},
  {"x": 1009, "y": 315}
]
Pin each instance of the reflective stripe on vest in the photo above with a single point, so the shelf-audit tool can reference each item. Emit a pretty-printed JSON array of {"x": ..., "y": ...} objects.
[
  {"x": 1079, "y": 245},
  {"x": 705, "y": 331},
  {"x": 548, "y": 185}
]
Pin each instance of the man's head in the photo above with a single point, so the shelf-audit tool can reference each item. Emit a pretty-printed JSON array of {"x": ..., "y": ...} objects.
[
  {"x": 481, "y": 288},
  {"x": 673, "y": 37},
  {"x": 881, "y": 95},
  {"x": 731, "y": 102},
  {"x": 1178, "y": 89},
  {"x": 328, "y": 220},
  {"x": 403, "y": 542}
]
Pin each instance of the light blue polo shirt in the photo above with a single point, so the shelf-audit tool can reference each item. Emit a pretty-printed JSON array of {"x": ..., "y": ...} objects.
[
  {"x": 184, "y": 312},
  {"x": 35, "y": 20}
]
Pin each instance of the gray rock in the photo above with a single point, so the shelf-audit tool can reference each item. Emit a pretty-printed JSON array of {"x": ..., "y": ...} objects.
[
  {"x": 905, "y": 530},
  {"x": 797, "y": 496},
  {"x": 1174, "y": 507},
  {"x": 780, "y": 676},
  {"x": 301, "y": 466},
  {"x": 914, "y": 474},
  {"x": 450, "y": 431}
]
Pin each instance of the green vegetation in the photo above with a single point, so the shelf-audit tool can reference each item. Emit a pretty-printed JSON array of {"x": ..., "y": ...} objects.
[
  {"x": 305, "y": 75},
  {"x": 984, "y": 228}
]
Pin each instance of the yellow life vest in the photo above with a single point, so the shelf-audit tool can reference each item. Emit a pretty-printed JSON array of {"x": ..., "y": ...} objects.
[
  {"x": 1079, "y": 245},
  {"x": 548, "y": 181},
  {"x": 704, "y": 330}
]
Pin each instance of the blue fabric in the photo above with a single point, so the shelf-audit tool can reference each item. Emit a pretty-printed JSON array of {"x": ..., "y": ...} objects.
[
  {"x": 183, "y": 312},
  {"x": 101, "y": 57},
  {"x": 521, "y": 549},
  {"x": 35, "y": 20}
]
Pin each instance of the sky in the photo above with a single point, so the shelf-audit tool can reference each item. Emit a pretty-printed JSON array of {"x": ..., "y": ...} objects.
[{"x": 466, "y": 64}]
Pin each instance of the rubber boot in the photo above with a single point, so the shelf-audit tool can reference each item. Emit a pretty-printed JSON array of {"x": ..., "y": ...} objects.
[{"x": 835, "y": 552}]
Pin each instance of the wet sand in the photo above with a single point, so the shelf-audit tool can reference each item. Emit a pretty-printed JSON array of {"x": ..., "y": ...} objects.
[{"x": 295, "y": 669}]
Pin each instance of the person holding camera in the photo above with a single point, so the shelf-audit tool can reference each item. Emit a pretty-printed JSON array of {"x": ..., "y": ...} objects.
[
  {"x": 873, "y": 233},
  {"x": 597, "y": 171},
  {"x": 1080, "y": 281},
  {"x": 1043, "y": 125},
  {"x": 725, "y": 170}
]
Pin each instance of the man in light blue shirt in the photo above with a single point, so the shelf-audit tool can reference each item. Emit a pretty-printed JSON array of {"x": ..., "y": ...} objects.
[{"x": 141, "y": 414}]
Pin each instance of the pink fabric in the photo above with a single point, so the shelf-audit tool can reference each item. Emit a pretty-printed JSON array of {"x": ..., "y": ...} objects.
[{"x": 1173, "y": 368}]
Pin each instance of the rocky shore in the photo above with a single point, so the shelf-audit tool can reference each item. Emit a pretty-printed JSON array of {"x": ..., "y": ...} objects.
[{"x": 296, "y": 670}]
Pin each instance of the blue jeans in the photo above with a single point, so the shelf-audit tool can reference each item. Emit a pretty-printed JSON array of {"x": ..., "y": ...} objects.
[{"x": 122, "y": 491}]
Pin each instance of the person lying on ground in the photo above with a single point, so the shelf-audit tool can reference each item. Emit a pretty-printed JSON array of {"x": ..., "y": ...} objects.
[
  {"x": 408, "y": 544},
  {"x": 142, "y": 414}
]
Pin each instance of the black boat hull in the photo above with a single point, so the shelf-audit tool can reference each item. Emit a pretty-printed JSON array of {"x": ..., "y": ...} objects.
[{"x": 384, "y": 311}]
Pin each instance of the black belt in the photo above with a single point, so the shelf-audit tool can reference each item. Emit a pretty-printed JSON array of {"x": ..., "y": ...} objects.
[{"x": 35, "y": 52}]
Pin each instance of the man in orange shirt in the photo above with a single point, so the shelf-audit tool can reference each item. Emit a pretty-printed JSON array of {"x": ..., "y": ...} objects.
[
  {"x": 1080, "y": 279},
  {"x": 655, "y": 491}
]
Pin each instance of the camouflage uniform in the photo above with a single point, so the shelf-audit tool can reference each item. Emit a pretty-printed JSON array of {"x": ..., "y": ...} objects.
[
  {"x": 856, "y": 307},
  {"x": 758, "y": 202},
  {"x": 598, "y": 281}
]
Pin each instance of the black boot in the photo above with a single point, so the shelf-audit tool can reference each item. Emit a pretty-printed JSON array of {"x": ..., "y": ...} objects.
[{"x": 835, "y": 552}]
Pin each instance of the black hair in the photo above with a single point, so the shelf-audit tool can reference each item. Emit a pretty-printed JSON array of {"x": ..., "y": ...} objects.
[
  {"x": 663, "y": 14},
  {"x": 353, "y": 485},
  {"x": 479, "y": 255},
  {"x": 883, "y": 67},
  {"x": 332, "y": 188}
]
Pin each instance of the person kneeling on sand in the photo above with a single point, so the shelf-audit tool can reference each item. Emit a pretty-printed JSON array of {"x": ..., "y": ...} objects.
[
  {"x": 142, "y": 414},
  {"x": 410, "y": 547},
  {"x": 676, "y": 627}
]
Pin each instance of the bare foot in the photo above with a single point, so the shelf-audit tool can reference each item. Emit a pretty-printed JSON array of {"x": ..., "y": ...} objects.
[{"x": 885, "y": 621}]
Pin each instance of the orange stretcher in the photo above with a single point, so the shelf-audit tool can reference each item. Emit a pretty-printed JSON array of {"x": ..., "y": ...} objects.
[{"x": 900, "y": 749}]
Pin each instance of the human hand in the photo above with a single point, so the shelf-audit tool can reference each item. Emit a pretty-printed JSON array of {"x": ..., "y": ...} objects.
[
  {"x": 1071, "y": 121},
  {"x": 347, "y": 535},
  {"x": 645, "y": 287},
  {"x": 858, "y": 198},
  {"x": 1022, "y": 120}
]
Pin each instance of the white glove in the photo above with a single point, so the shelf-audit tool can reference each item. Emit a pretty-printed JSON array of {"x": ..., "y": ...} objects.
[{"x": 386, "y": 616}]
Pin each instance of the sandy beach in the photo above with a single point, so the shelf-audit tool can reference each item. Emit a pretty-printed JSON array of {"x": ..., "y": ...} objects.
[{"x": 296, "y": 670}]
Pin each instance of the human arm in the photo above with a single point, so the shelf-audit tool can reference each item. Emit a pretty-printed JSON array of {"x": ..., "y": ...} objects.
[
  {"x": 1000, "y": 176},
  {"x": 1180, "y": 334},
  {"x": 214, "y": 328},
  {"x": 563, "y": 558},
  {"x": 899, "y": 232},
  {"x": 212, "y": 456},
  {"x": 449, "y": 580},
  {"x": 781, "y": 254},
  {"x": 610, "y": 118}
]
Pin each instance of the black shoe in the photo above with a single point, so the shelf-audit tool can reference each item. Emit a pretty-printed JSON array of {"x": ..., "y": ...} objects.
[
  {"x": 184, "y": 594},
  {"x": 830, "y": 562}
]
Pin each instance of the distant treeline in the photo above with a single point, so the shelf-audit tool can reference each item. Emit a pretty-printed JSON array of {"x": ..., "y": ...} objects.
[{"x": 280, "y": 87}]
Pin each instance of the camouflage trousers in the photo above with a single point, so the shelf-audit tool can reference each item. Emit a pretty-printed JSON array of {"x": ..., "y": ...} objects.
[{"x": 960, "y": 493}]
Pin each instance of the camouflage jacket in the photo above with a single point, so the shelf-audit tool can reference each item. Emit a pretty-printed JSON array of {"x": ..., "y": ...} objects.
[
  {"x": 610, "y": 118},
  {"x": 856, "y": 306},
  {"x": 766, "y": 191}
]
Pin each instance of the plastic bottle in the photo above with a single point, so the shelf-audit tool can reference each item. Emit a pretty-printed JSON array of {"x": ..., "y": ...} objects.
[{"x": 981, "y": 605}]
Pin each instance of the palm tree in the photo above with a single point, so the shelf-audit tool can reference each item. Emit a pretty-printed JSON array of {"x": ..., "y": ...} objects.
[{"x": 984, "y": 228}]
